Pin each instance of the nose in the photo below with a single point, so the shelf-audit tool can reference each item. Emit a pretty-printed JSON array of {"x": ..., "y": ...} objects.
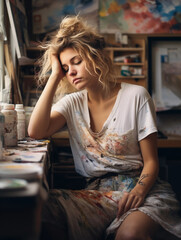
[{"x": 72, "y": 71}]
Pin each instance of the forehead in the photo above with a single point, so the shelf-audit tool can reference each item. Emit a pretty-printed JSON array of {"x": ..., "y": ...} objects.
[{"x": 67, "y": 54}]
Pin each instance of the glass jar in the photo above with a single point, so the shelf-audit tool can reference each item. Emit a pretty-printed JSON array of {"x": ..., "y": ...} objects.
[{"x": 10, "y": 126}]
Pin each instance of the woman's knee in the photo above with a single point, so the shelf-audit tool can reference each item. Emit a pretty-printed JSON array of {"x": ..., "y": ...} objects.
[
  {"x": 137, "y": 226},
  {"x": 131, "y": 234}
]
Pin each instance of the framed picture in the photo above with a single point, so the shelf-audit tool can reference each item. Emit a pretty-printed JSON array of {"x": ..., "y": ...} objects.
[{"x": 164, "y": 72}]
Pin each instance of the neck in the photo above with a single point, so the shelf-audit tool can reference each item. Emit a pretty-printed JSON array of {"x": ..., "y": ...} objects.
[{"x": 98, "y": 94}]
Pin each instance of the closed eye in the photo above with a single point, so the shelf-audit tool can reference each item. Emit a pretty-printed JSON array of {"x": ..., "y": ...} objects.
[
  {"x": 74, "y": 61},
  {"x": 78, "y": 62}
]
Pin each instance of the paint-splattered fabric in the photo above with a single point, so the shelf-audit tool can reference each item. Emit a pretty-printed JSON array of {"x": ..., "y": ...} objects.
[
  {"x": 111, "y": 160},
  {"x": 91, "y": 213}
]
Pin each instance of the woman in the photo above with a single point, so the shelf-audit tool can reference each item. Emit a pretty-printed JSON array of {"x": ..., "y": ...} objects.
[{"x": 113, "y": 139}]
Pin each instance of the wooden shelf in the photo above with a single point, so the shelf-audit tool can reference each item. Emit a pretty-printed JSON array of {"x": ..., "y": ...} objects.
[
  {"x": 28, "y": 77},
  {"x": 137, "y": 81},
  {"x": 125, "y": 49},
  {"x": 36, "y": 48},
  {"x": 169, "y": 142},
  {"x": 128, "y": 64},
  {"x": 33, "y": 91},
  {"x": 62, "y": 138},
  {"x": 133, "y": 76}
]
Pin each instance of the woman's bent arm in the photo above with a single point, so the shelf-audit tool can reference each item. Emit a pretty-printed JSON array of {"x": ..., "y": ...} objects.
[{"x": 43, "y": 123}]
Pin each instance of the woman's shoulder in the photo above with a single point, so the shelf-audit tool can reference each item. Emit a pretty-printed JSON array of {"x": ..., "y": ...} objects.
[
  {"x": 75, "y": 95},
  {"x": 135, "y": 90}
]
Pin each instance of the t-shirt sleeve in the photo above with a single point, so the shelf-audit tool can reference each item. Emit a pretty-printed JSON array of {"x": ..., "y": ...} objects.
[
  {"x": 61, "y": 106},
  {"x": 146, "y": 120}
]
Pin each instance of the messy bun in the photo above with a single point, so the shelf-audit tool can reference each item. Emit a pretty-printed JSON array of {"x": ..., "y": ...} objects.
[
  {"x": 87, "y": 42},
  {"x": 73, "y": 29}
]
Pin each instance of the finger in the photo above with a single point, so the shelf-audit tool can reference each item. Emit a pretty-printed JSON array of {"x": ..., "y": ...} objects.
[
  {"x": 129, "y": 202},
  {"x": 139, "y": 202},
  {"x": 134, "y": 202},
  {"x": 122, "y": 204}
]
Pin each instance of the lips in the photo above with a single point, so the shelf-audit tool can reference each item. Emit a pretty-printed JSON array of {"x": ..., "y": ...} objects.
[{"x": 76, "y": 80}]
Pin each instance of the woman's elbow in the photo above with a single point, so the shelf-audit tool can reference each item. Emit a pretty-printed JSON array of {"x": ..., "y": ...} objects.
[{"x": 32, "y": 133}]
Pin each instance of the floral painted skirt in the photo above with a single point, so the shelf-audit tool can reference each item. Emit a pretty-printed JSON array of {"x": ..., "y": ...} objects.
[{"x": 90, "y": 213}]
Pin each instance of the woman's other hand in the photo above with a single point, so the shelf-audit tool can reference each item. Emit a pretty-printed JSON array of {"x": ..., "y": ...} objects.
[{"x": 129, "y": 200}]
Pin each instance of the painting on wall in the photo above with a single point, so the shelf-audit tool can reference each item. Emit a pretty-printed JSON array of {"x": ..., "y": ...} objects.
[
  {"x": 166, "y": 74},
  {"x": 47, "y": 14},
  {"x": 140, "y": 16}
]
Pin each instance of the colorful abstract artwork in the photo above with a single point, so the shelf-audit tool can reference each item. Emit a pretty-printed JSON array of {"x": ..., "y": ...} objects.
[{"x": 140, "y": 16}]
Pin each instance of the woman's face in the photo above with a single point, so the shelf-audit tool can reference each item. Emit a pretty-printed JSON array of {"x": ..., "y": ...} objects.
[{"x": 75, "y": 69}]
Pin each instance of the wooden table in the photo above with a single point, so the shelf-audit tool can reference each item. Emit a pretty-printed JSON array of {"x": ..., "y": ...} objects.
[{"x": 20, "y": 210}]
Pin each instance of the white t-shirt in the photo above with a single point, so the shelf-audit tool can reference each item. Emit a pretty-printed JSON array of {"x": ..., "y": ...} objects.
[{"x": 116, "y": 147}]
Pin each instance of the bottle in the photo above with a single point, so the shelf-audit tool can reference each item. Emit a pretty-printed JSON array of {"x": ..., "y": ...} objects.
[
  {"x": 10, "y": 133},
  {"x": 2, "y": 119},
  {"x": 28, "y": 112},
  {"x": 20, "y": 121}
]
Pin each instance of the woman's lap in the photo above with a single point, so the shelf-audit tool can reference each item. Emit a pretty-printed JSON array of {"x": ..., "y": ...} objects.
[
  {"x": 85, "y": 213},
  {"x": 91, "y": 214}
]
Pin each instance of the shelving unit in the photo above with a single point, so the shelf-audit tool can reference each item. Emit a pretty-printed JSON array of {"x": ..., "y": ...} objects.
[
  {"x": 133, "y": 59},
  {"x": 28, "y": 84}
]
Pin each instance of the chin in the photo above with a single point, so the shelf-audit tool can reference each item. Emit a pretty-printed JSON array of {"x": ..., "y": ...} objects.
[{"x": 79, "y": 88}]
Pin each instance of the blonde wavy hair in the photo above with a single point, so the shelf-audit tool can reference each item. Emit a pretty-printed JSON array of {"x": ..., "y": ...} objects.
[{"x": 74, "y": 32}]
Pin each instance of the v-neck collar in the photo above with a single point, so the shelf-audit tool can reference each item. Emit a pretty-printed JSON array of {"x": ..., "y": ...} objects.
[{"x": 106, "y": 123}]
